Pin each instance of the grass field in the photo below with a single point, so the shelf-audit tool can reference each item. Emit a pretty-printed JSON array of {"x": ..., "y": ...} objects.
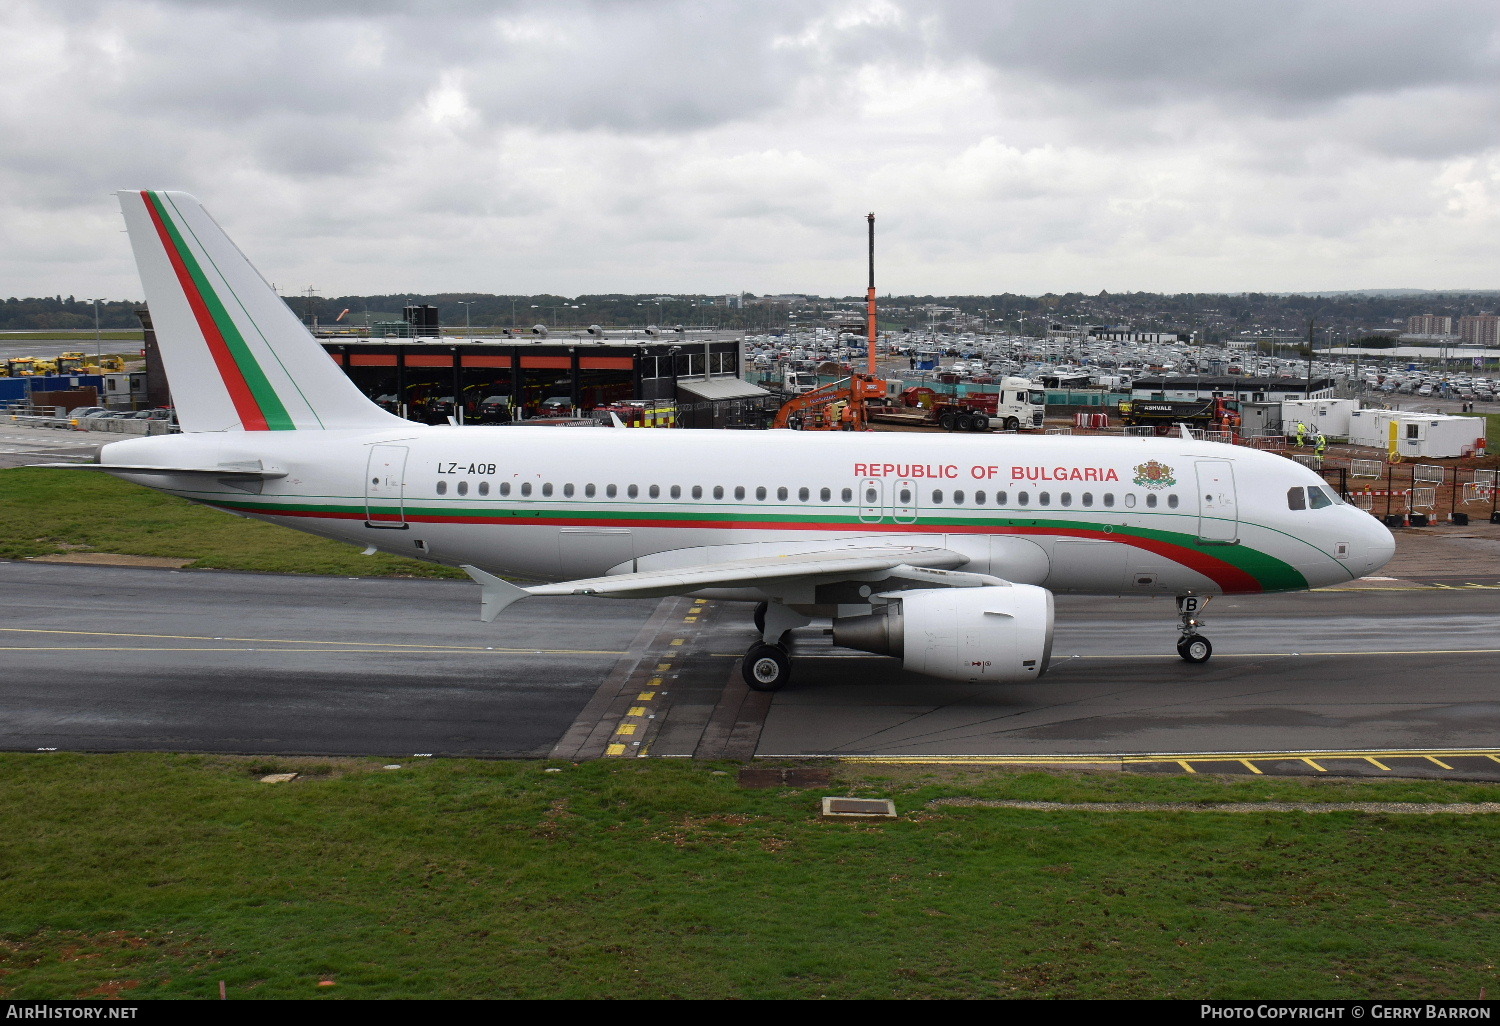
[
  {"x": 157, "y": 876},
  {"x": 108, "y": 334},
  {"x": 1491, "y": 431},
  {"x": 50, "y": 511}
]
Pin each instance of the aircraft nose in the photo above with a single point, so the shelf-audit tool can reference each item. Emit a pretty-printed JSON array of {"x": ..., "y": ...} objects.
[{"x": 1379, "y": 544}]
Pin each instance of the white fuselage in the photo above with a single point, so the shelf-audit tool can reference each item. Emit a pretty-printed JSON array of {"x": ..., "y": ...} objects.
[{"x": 1084, "y": 515}]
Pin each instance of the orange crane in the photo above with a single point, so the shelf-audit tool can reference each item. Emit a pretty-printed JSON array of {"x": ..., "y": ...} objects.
[{"x": 843, "y": 404}]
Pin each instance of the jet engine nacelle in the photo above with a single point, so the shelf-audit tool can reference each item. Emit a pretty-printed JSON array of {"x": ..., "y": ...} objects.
[{"x": 996, "y": 633}]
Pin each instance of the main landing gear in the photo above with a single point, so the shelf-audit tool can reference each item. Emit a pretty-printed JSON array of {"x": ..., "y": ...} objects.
[
  {"x": 1192, "y": 646},
  {"x": 768, "y": 666}
]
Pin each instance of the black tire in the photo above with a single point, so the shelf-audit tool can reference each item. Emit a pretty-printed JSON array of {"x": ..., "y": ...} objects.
[
  {"x": 1012, "y": 424},
  {"x": 946, "y": 421},
  {"x": 981, "y": 422},
  {"x": 766, "y": 667},
  {"x": 760, "y": 617},
  {"x": 1194, "y": 648}
]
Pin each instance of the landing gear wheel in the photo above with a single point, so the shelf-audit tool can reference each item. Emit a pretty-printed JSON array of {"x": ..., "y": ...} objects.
[
  {"x": 760, "y": 618},
  {"x": 1012, "y": 424},
  {"x": 766, "y": 667},
  {"x": 1194, "y": 648}
]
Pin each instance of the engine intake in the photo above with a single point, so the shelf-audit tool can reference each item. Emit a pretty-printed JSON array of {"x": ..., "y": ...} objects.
[{"x": 997, "y": 633}]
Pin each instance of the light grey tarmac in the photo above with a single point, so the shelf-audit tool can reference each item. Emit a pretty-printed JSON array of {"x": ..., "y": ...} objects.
[{"x": 95, "y": 658}]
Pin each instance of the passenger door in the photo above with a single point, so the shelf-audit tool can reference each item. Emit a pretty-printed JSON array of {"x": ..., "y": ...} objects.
[
  {"x": 385, "y": 487},
  {"x": 1218, "y": 512},
  {"x": 871, "y": 501}
]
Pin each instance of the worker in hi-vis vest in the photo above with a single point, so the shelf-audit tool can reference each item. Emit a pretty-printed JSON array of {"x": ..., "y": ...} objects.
[
  {"x": 1301, "y": 434},
  {"x": 1320, "y": 444}
]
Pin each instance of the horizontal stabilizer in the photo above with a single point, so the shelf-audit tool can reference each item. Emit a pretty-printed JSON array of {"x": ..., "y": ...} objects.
[{"x": 249, "y": 469}]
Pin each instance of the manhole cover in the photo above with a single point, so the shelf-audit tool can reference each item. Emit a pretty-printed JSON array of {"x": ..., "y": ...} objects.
[{"x": 860, "y": 808}]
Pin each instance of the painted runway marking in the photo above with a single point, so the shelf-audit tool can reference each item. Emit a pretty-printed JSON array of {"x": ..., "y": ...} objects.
[{"x": 392, "y": 645}]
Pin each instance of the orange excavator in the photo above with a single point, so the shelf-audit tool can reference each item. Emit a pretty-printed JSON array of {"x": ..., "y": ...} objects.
[{"x": 843, "y": 405}]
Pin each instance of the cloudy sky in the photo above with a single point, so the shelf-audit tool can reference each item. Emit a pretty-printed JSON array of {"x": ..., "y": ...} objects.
[{"x": 703, "y": 146}]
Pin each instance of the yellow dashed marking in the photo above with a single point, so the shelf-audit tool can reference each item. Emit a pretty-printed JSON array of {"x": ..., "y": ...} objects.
[
  {"x": 1440, "y": 762},
  {"x": 637, "y": 710},
  {"x": 1186, "y": 767},
  {"x": 663, "y": 667},
  {"x": 1314, "y": 765},
  {"x": 645, "y": 696},
  {"x": 654, "y": 682},
  {"x": 1377, "y": 763},
  {"x": 625, "y": 728},
  {"x": 700, "y": 602},
  {"x": 689, "y": 619},
  {"x": 676, "y": 642},
  {"x": 1252, "y": 767},
  {"x": 615, "y": 749}
]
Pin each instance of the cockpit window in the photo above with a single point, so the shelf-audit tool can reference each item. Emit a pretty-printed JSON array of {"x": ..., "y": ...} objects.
[
  {"x": 1317, "y": 498},
  {"x": 1296, "y": 498}
]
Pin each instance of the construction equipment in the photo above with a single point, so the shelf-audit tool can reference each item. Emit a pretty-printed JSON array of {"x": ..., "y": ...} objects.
[
  {"x": 1219, "y": 412},
  {"x": 845, "y": 404},
  {"x": 1016, "y": 406}
]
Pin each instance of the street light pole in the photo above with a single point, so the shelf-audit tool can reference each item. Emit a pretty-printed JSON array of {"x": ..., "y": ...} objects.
[
  {"x": 466, "y": 307},
  {"x": 97, "y": 356}
]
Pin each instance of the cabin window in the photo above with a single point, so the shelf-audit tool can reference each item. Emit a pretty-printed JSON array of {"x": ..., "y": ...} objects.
[
  {"x": 718, "y": 491},
  {"x": 1065, "y": 499},
  {"x": 442, "y": 488},
  {"x": 631, "y": 491},
  {"x": 654, "y": 491},
  {"x": 803, "y": 494},
  {"x": 937, "y": 496},
  {"x": 871, "y": 497},
  {"x": 547, "y": 489},
  {"x": 739, "y": 491},
  {"x": 1295, "y": 499},
  {"x": 904, "y": 498},
  {"x": 1086, "y": 500},
  {"x": 979, "y": 498},
  {"x": 697, "y": 491},
  {"x": 484, "y": 488},
  {"x": 847, "y": 495},
  {"x": 504, "y": 488},
  {"x": 1044, "y": 499},
  {"x": 825, "y": 495},
  {"x": 1173, "y": 501},
  {"x": 588, "y": 491},
  {"x": 610, "y": 491},
  {"x": 567, "y": 491},
  {"x": 676, "y": 492},
  {"x": 526, "y": 488},
  {"x": 958, "y": 498},
  {"x": 1023, "y": 498},
  {"x": 781, "y": 494},
  {"x": 1000, "y": 498},
  {"x": 1130, "y": 500},
  {"x": 1109, "y": 500},
  {"x": 1318, "y": 498},
  {"x": 463, "y": 488},
  {"x": 760, "y": 493},
  {"x": 1151, "y": 501}
]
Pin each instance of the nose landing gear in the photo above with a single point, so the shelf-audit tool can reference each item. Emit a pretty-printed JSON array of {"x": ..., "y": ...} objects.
[{"x": 1192, "y": 646}]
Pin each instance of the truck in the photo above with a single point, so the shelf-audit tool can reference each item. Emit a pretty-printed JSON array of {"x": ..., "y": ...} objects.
[
  {"x": 1017, "y": 405},
  {"x": 1219, "y": 413}
]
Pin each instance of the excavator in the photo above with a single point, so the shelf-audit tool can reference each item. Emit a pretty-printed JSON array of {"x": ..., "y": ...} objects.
[{"x": 843, "y": 405}]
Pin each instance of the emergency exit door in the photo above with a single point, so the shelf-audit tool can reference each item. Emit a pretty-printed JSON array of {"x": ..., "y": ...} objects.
[
  {"x": 1218, "y": 512},
  {"x": 385, "y": 487}
]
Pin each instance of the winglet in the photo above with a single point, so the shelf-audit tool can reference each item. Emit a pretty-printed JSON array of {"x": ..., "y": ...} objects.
[
  {"x": 497, "y": 592},
  {"x": 1187, "y": 436},
  {"x": 614, "y": 420}
]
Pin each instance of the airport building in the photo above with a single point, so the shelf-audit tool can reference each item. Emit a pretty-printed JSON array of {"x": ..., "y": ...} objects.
[{"x": 430, "y": 378}]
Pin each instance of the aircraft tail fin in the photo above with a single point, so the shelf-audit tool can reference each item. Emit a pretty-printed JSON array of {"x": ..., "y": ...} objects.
[{"x": 236, "y": 356}]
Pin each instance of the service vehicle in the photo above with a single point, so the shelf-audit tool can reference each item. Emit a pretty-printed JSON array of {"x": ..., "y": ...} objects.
[{"x": 1219, "y": 413}]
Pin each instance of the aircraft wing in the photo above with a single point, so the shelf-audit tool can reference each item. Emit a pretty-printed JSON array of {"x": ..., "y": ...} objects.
[{"x": 915, "y": 562}]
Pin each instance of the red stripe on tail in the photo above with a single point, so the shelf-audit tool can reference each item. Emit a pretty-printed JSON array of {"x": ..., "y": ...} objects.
[{"x": 234, "y": 380}]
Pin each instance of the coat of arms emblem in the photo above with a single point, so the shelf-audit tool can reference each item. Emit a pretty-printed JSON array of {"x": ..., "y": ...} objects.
[{"x": 1152, "y": 474}]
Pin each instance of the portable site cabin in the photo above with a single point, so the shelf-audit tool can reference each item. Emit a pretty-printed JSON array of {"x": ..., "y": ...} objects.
[
  {"x": 1330, "y": 416},
  {"x": 1260, "y": 418},
  {"x": 1417, "y": 434}
]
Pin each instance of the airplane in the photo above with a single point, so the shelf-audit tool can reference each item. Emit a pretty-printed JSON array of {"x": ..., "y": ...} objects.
[{"x": 943, "y": 551}]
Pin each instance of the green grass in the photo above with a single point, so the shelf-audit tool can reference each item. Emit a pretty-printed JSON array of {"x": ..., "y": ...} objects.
[
  {"x": 157, "y": 876},
  {"x": 80, "y": 336},
  {"x": 50, "y": 511}
]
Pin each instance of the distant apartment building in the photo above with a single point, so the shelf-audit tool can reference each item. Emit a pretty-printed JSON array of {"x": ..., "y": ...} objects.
[
  {"x": 1479, "y": 330},
  {"x": 1429, "y": 324}
]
